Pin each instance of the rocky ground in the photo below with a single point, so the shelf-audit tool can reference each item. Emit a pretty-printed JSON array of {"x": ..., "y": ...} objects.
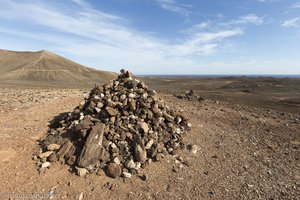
[{"x": 243, "y": 153}]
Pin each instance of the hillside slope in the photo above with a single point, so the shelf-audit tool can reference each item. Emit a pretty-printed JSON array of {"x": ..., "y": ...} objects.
[{"x": 44, "y": 67}]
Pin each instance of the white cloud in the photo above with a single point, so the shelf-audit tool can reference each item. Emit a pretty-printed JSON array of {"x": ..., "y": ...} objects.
[
  {"x": 100, "y": 39},
  {"x": 174, "y": 6},
  {"x": 296, "y": 5},
  {"x": 268, "y": 1},
  {"x": 291, "y": 23},
  {"x": 246, "y": 19}
]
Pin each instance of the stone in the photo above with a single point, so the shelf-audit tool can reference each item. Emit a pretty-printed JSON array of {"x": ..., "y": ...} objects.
[
  {"x": 64, "y": 149},
  {"x": 144, "y": 177},
  {"x": 52, "y": 157},
  {"x": 193, "y": 148},
  {"x": 52, "y": 147},
  {"x": 45, "y": 165},
  {"x": 140, "y": 154},
  {"x": 92, "y": 149},
  {"x": 111, "y": 111},
  {"x": 168, "y": 117},
  {"x": 144, "y": 126},
  {"x": 149, "y": 144},
  {"x": 45, "y": 154},
  {"x": 81, "y": 171},
  {"x": 155, "y": 108},
  {"x": 126, "y": 175},
  {"x": 117, "y": 160},
  {"x": 114, "y": 170},
  {"x": 119, "y": 127},
  {"x": 130, "y": 164},
  {"x": 98, "y": 110}
]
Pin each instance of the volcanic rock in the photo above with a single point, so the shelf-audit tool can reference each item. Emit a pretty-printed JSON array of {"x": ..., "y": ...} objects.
[{"x": 121, "y": 126}]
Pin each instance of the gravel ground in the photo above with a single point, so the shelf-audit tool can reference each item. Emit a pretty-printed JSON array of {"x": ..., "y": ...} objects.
[{"x": 243, "y": 153}]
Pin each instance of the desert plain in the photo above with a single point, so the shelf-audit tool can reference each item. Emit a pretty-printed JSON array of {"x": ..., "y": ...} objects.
[{"x": 247, "y": 131}]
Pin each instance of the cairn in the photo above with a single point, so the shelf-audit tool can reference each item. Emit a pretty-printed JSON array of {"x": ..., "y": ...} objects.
[{"x": 120, "y": 127}]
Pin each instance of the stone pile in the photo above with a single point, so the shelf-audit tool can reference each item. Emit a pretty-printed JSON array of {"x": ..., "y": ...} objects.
[
  {"x": 119, "y": 127},
  {"x": 190, "y": 95}
]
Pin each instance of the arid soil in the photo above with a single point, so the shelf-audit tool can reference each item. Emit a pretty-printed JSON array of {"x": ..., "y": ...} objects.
[{"x": 243, "y": 153}]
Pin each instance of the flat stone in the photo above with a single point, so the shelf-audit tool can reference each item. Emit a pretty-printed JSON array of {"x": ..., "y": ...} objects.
[
  {"x": 92, "y": 149},
  {"x": 45, "y": 154},
  {"x": 111, "y": 111}
]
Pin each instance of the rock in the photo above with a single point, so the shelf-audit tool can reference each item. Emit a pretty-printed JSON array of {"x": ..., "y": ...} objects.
[
  {"x": 52, "y": 157},
  {"x": 130, "y": 164},
  {"x": 155, "y": 108},
  {"x": 144, "y": 126},
  {"x": 52, "y": 147},
  {"x": 126, "y": 175},
  {"x": 97, "y": 109},
  {"x": 193, "y": 148},
  {"x": 111, "y": 111},
  {"x": 140, "y": 154},
  {"x": 45, "y": 154},
  {"x": 81, "y": 171},
  {"x": 144, "y": 177},
  {"x": 168, "y": 117},
  {"x": 114, "y": 170},
  {"x": 92, "y": 149},
  {"x": 80, "y": 197},
  {"x": 45, "y": 165},
  {"x": 64, "y": 150},
  {"x": 119, "y": 127},
  {"x": 117, "y": 160},
  {"x": 149, "y": 144}
]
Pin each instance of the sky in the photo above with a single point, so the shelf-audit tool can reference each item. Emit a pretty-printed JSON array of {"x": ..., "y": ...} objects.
[{"x": 160, "y": 36}]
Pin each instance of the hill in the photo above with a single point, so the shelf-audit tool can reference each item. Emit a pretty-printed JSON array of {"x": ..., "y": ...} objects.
[{"x": 47, "y": 68}]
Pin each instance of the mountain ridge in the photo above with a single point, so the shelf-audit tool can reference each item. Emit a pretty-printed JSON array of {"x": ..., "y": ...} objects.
[{"x": 45, "y": 67}]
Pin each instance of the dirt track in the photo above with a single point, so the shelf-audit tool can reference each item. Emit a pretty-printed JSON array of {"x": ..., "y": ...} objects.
[{"x": 243, "y": 154}]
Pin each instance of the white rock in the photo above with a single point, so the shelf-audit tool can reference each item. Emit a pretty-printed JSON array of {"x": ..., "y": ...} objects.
[
  {"x": 46, "y": 164},
  {"x": 100, "y": 105},
  {"x": 127, "y": 175},
  {"x": 130, "y": 164},
  {"x": 145, "y": 127},
  {"x": 97, "y": 109},
  {"x": 117, "y": 160},
  {"x": 131, "y": 95},
  {"x": 81, "y": 171},
  {"x": 149, "y": 144},
  {"x": 80, "y": 197},
  {"x": 52, "y": 147},
  {"x": 194, "y": 149},
  {"x": 96, "y": 97}
]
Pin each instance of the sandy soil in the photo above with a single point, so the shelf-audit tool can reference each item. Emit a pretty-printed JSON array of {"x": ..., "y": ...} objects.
[{"x": 244, "y": 153}]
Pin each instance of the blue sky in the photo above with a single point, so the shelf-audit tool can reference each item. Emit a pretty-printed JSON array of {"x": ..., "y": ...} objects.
[{"x": 160, "y": 36}]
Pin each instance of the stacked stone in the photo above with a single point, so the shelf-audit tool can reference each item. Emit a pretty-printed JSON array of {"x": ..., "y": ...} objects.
[
  {"x": 190, "y": 95},
  {"x": 120, "y": 127}
]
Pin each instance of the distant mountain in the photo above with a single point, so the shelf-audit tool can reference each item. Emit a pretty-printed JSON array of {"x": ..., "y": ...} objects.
[{"x": 47, "y": 68}]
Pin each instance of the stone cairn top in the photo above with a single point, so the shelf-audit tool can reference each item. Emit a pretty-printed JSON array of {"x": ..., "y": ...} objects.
[{"x": 120, "y": 128}]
